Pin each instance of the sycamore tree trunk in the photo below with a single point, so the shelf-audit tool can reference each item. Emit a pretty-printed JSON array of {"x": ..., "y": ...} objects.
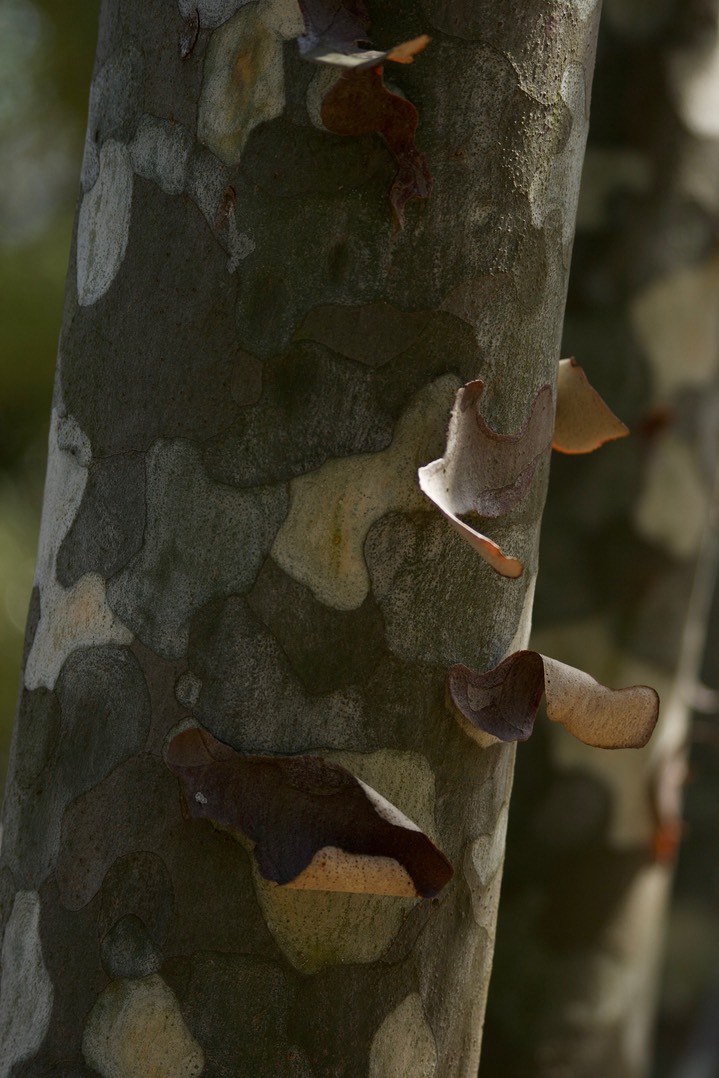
[
  {"x": 275, "y": 292},
  {"x": 593, "y": 840}
]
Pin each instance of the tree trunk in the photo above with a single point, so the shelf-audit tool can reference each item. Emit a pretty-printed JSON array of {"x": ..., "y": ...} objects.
[
  {"x": 593, "y": 840},
  {"x": 273, "y": 298}
]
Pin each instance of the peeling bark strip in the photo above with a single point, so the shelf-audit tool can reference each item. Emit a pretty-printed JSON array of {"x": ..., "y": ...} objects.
[
  {"x": 583, "y": 422},
  {"x": 504, "y": 702},
  {"x": 486, "y": 473},
  {"x": 337, "y": 33},
  {"x": 315, "y": 826},
  {"x": 361, "y": 104}
]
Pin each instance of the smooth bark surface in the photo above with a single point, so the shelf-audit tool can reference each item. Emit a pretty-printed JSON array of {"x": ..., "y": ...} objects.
[{"x": 255, "y": 359}]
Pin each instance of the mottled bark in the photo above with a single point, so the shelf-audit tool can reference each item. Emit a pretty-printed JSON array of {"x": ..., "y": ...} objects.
[
  {"x": 628, "y": 562},
  {"x": 255, "y": 358}
]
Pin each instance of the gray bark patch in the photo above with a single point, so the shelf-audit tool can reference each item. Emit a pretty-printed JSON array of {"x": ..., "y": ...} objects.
[
  {"x": 438, "y": 620},
  {"x": 202, "y": 540},
  {"x": 26, "y": 992},
  {"x": 314, "y": 406},
  {"x": 237, "y": 1008},
  {"x": 245, "y": 675},
  {"x": 103, "y": 224},
  {"x": 108, "y": 528},
  {"x": 138, "y": 886},
  {"x": 340, "y": 1049},
  {"x": 104, "y": 716},
  {"x": 128, "y": 951},
  {"x": 161, "y": 152},
  {"x": 134, "y": 372},
  {"x": 328, "y": 649},
  {"x": 71, "y": 951},
  {"x": 151, "y": 854},
  {"x": 319, "y": 164},
  {"x": 114, "y": 107}
]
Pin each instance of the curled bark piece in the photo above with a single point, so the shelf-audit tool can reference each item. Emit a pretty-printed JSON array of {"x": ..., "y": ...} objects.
[
  {"x": 360, "y": 104},
  {"x": 363, "y": 59},
  {"x": 337, "y": 33},
  {"x": 314, "y": 825},
  {"x": 583, "y": 421},
  {"x": 504, "y": 702},
  {"x": 484, "y": 473}
]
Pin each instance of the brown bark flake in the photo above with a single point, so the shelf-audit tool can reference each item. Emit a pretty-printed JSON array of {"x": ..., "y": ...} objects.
[{"x": 303, "y": 813}]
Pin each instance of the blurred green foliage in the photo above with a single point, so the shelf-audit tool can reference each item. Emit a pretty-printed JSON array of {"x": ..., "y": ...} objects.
[{"x": 46, "y": 56}]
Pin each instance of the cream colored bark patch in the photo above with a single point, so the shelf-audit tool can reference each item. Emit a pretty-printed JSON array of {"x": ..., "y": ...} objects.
[
  {"x": 160, "y": 152},
  {"x": 483, "y": 863},
  {"x": 332, "y": 869},
  {"x": 323, "y": 928},
  {"x": 673, "y": 504},
  {"x": 485, "y": 903},
  {"x": 103, "y": 224},
  {"x": 486, "y": 853},
  {"x": 557, "y": 183},
  {"x": 243, "y": 83},
  {"x": 316, "y": 929},
  {"x": 282, "y": 16},
  {"x": 677, "y": 322},
  {"x": 331, "y": 510},
  {"x": 404, "y": 1045},
  {"x": 78, "y": 616},
  {"x": 136, "y": 1029},
  {"x": 26, "y": 992}
]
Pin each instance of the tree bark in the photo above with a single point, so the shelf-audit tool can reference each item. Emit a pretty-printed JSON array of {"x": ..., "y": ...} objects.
[
  {"x": 266, "y": 324},
  {"x": 593, "y": 840}
]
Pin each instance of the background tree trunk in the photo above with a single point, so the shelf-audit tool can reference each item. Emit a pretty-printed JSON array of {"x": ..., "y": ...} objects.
[
  {"x": 254, "y": 359},
  {"x": 593, "y": 836}
]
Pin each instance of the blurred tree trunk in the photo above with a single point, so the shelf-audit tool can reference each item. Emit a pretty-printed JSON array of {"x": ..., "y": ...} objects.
[
  {"x": 254, "y": 360},
  {"x": 628, "y": 562}
]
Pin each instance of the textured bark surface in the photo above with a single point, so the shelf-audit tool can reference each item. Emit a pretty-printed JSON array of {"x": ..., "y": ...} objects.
[
  {"x": 255, "y": 359},
  {"x": 593, "y": 837}
]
